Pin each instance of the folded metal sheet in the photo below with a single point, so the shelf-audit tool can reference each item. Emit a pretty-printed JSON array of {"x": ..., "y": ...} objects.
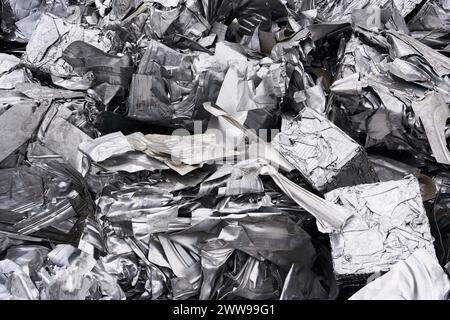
[
  {"x": 63, "y": 120},
  {"x": 434, "y": 112},
  {"x": 389, "y": 224},
  {"x": 24, "y": 115},
  {"x": 342, "y": 9},
  {"x": 214, "y": 149},
  {"x": 325, "y": 155},
  {"x": 419, "y": 277},
  {"x": 150, "y": 99},
  {"x": 52, "y": 35},
  {"x": 106, "y": 146},
  {"x": 376, "y": 108},
  {"x": 48, "y": 201},
  {"x": 10, "y": 72}
]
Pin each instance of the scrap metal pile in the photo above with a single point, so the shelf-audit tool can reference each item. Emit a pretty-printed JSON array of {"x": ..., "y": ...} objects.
[{"x": 224, "y": 149}]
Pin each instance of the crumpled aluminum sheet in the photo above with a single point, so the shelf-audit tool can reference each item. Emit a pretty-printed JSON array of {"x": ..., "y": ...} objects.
[
  {"x": 52, "y": 35},
  {"x": 326, "y": 153},
  {"x": 419, "y": 277},
  {"x": 44, "y": 195},
  {"x": 385, "y": 115},
  {"x": 214, "y": 149},
  {"x": 390, "y": 223},
  {"x": 338, "y": 10}
]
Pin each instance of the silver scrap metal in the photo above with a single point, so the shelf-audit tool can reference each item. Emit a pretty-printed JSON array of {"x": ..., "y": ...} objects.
[
  {"x": 389, "y": 224},
  {"x": 224, "y": 149},
  {"x": 325, "y": 155}
]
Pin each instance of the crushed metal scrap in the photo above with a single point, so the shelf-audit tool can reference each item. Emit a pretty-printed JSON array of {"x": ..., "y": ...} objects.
[{"x": 224, "y": 149}]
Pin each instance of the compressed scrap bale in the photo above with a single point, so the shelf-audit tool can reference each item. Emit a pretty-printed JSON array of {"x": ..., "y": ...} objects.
[
  {"x": 322, "y": 152},
  {"x": 389, "y": 224},
  {"x": 419, "y": 277},
  {"x": 52, "y": 36}
]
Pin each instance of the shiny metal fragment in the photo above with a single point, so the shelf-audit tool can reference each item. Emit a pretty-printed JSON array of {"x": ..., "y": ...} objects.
[
  {"x": 419, "y": 277},
  {"x": 142, "y": 156},
  {"x": 325, "y": 155},
  {"x": 388, "y": 225},
  {"x": 106, "y": 146},
  {"x": 24, "y": 115},
  {"x": 54, "y": 34},
  {"x": 433, "y": 111}
]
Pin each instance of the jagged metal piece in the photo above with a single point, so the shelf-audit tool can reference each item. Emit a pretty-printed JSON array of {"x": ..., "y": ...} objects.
[
  {"x": 434, "y": 112},
  {"x": 389, "y": 224}
]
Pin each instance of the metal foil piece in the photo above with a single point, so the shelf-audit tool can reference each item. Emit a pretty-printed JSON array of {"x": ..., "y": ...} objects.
[
  {"x": 214, "y": 149},
  {"x": 51, "y": 36},
  {"x": 389, "y": 224},
  {"x": 325, "y": 155},
  {"x": 419, "y": 277},
  {"x": 106, "y": 146},
  {"x": 25, "y": 116},
  {"x": 434, "y": 112},
  {"x": 329, "y": 216}
]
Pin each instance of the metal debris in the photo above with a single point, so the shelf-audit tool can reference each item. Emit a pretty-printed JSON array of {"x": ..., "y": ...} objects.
[
  {"x": 325, "y": 155},
  {"x": 419, "y": 277},
  {"x": 389, "y": 224},
  {"x": 208, "y": 149}
]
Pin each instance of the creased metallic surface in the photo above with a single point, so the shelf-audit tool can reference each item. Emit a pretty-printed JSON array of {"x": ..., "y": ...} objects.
[
  {"x": 25, "y": 116},
  {"x": 342, "y": 9},
  {"x": 230, "y": 150},
  {"x": 321, "y": 151},
  {"x": 329, "y": 216},
  {"x": 105, "y": 147},
  {"x": 419, "y": 277},
  {"x": 51, "y": 36},
  {"x": 434, "y": 112},
  {"x": 389, "y": 224}
]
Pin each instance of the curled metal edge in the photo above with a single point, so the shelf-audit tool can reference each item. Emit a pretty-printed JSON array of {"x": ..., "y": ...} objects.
[{"x": 434, "y": 112}]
